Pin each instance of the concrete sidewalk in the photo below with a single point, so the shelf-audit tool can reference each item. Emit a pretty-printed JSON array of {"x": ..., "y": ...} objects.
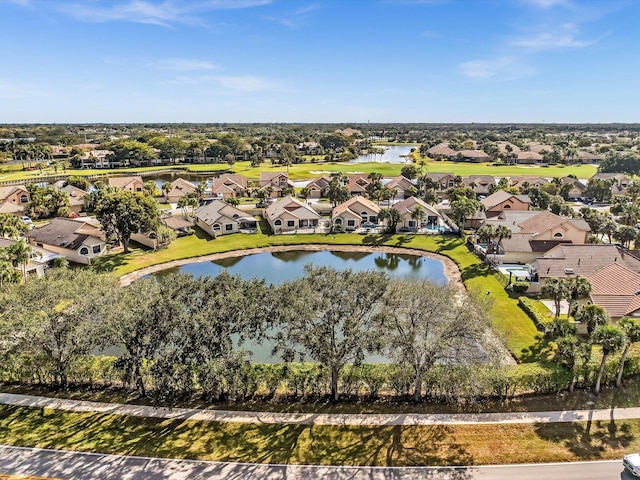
[{"x": 320, "y": 418}]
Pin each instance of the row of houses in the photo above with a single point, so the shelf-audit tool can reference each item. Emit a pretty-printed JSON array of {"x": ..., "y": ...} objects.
[{"x": 532, "y": 156}]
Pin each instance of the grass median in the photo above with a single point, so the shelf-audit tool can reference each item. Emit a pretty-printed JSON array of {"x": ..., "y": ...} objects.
[{"x": 317, "y": 445}]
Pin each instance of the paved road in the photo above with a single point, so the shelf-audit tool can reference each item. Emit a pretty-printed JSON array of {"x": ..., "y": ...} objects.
[
  {"x": 321, "y": 419},
  {"x": 67, "y": 465}
]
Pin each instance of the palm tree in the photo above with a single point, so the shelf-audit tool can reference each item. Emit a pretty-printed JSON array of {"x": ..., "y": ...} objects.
[
  {"x": 501, "y": 232},
  {"x": 631, "y": 329},
  {"x": 556, "y": 289},
  {"x": 418, "y": 214},
  {"x": 7, "y": 272},
  {"x": 578, "y": 287},
  {"x": 593, "y": 316},
  {"x": 392, "y": 216},
  {"x": 611, "y": 339},
  {"x": 19, "y": 254},
  {"x": 570, "y": 353}
]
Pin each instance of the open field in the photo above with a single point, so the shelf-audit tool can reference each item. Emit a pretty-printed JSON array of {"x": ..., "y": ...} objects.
[
  {"x": 306, "y": 171},
  {"x": 319, "y": 445}
]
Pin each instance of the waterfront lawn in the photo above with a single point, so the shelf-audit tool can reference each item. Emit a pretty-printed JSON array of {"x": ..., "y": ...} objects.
[{"x": 318, "y": 445}]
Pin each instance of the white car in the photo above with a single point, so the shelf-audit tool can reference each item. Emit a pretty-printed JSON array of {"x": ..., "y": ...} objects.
[
  {"x": 26, "y": 220},
  {"x": 631, "y": 463}
]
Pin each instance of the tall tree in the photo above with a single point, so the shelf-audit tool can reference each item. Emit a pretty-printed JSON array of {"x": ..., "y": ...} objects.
[
  {"x": 571, "y": 352},
  {"x": 631, "y": 330},
  {"x": 60, "y": 317},
  {"x": 611, "y": 339},
  {"x": 556, "y": 289},
  {"x": 328, "y": 315},
  {"x": 577, "y": 287},
  {"x": 425, "y": 324},
  {"x": 124, "y": 213},
  {"x": 593, "y": 316}
]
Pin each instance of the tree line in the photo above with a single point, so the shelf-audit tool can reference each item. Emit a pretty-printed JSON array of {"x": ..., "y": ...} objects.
[{"x": 179, "y": 333}]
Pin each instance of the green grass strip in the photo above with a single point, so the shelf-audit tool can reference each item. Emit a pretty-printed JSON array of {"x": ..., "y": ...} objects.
[{"x": 318, "y": 445}]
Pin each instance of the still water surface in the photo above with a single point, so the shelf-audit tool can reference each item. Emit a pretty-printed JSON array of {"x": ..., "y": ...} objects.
[{"x": 277, "y": 267}]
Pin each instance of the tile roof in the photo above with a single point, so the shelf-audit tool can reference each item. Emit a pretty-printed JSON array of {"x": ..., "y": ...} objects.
[
  {"x": 545, "y": 220},
  {"x": 442, "y": 149},
  {"x": 584, "y": 260},
  {"x": 122, "y": 182},
  {"x": 409, "y": 204},
  {"x": 181, "y": 187},
  {"x": 293, "y": 206},
  {"x": 402, "y": 182},
  {"x": 500, "y": 196},
  {"x": 352, "y": 203},
  {"x": 6, "y": 191},
  {"x": 617, "y": 289}
]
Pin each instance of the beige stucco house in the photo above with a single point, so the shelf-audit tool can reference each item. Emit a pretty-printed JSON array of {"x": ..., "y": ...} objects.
[
  {"x": 78, "y": 241},
  {"x": 179, "y": 188},
  {"x": 219, "y": 218},
  {"x": 354, "y": 212},
  {"x": 130, "y": 184},
  {"x": 13, "y": 199},
  {"x": 290, "y": 214},
  {"x": 433, "y": 219}
]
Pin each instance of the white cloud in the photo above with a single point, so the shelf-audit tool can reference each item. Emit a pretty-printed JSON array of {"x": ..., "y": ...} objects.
[
  {"x": 239, "y": 83},
  {"x": 292, "y": 20},
  {"x": 500, "y": 68},
  {"x": 565, "y": 36},
  {"x": 12, "y": 89},
  {"x": 164, "y": 13},
  {"x": 182, "y": 64}
]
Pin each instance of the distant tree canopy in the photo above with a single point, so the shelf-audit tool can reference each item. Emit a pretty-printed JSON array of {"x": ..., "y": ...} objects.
[
  {"x": 620, "y": 162},
  {"x": 334, "y": 141}
]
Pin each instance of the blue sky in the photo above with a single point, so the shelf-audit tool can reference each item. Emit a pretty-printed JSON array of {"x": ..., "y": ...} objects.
[{"x": 319, "y": 61}]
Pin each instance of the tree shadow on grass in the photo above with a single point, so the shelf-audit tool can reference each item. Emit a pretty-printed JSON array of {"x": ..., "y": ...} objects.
[
  {"x": 474, "y": 271},
  {"x": 536, "y": 352},
  {"x": 447, "y": 242},
  {"x": 588, "y": 440}
]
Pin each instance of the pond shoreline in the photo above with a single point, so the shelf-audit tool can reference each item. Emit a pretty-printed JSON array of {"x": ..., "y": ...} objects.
[{"x": 451, "y": 270}]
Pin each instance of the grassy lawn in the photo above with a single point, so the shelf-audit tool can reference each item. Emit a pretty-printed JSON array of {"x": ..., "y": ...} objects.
[
  {"x": 307, "y": 171},
  {"x": 516, "y": 329},
  {"x": 301, "y": 444}
]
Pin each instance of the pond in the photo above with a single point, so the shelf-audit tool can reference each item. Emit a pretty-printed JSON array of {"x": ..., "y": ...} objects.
[
  {"x": 392, "y": 154},
  {"x": 276, "y": 267}
]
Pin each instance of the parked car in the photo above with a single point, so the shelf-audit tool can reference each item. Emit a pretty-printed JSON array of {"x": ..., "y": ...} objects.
[
  {"x": 631, "y": 463},
  {"x": 369, "y": 225},
  {"x": 26, "y": 219}
]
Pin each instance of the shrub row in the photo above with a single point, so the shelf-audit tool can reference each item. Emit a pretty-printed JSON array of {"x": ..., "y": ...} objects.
[
  {"x": 529, "y": 307},
  {"x": 237, "y": 379}
]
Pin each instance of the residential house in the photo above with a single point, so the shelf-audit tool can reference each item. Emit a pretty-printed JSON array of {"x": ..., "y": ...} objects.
[
  {"x": 616, "y": 288},
  {"x": 227, "y": 185},
  {"x": 529, "y": 157},
  {"x": 506, "y": 147},
  {"x": 318, "y": 187},
  {"x": 404, "y": 187},
  {"x": 277, "y": 181},
  {"x": 500, "y": 200},
  {"x": 588, "y": 157},
  {"x": 444, "y": 181},
  {"x": 533, "y": 233},
  {"x": 179, "y": 188},
  {"x": 40, "y": 258},
  {"x": 480, "y": 184},
  {"x": 526, "y": 181},
  {"x": 442, "y": 150},
  {"x": 13, "y": 199},
  {"x": 290, "y": 214},
  {"x": 130, "y": 184},
  {"x": 539, "y": 147},
  {"x": 475, "y": 156},
  {"x": 219, "y": 218},
  {"x": 76, "y": 198},
  {"x": 98, "y": 159},
  {"x": 433, "y": 219},
  {"x": 356, "y": 211},
  {"x": 568, "y": 260},
  {"x": 577, "y": 187},
  {"x": 619, "y": 182},
  {"x": 309, "y": 148},
  {"x": 357, "y": 184},
  {"x": 77, "y": 240},
  {"x": 178, "y": 224}
]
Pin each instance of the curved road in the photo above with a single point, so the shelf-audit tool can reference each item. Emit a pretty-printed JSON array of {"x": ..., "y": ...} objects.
[{"x": 67, "y": 465}]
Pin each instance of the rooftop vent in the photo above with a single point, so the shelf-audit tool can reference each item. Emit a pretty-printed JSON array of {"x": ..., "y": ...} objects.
[{"x": 569, "y": 271}]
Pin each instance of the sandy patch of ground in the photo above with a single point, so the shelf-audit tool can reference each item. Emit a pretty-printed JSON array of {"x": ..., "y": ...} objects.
[{"x": 450, "y": 268}]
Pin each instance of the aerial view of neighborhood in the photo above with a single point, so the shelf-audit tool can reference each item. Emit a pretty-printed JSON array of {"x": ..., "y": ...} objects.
[{"x": 287, "y": 240}]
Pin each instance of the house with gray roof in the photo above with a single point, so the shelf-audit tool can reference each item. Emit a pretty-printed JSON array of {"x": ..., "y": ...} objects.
[
  {"x": 219, "y": 218},
  {"x": 76, "y": 240}
]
